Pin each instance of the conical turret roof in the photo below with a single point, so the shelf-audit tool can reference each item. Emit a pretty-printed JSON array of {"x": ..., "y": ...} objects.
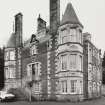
[
  {"x": 12, "y": 41},
  {"x": 70, "y": 16}
]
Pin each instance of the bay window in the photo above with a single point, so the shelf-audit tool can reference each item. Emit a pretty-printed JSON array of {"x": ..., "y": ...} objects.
[
  {"x": 73, "y": 35},
  {"x": 64, "y": 39},
  {"x": 12, "y": 55},
  {"x": 73, "y": 86},
  {"x": 64, "y": 62},
  {"x": 64, "y": 86},
  {"x": 73, "y": 58},
  {"x": 80, "y": 62}
]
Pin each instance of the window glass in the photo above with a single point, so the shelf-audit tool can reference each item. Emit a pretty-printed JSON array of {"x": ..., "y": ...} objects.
[
  {"x": 29, "y": 70},
  {"x": 73, "y": 85},
  {"x": 33, "y": 50},
  {"x": 73, "y": 61},
  {"x": 6, "y": 73},
  {"x": 72, "y": 35},
  {"x": 12, "y": 72},
  {"x": 64, "y": 62},
  {"x": 12, "y": 55},
  {"x": 80, "y": 63},
  {"x": 64, "y": 39},
  {"x": 6, "y": 55},
  {"x": 34, "y": 70},
  {"x": 64, "y": 86}
]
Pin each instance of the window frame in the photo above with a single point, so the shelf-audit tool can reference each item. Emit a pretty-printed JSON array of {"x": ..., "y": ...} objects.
[
  {"x": 64, "y": 88},
  {"x": 72, "y": 66},
  {"x": 64, "y": 63},
  {"x": 73, "y": 89},
  {"x": 36, "y": 75}
]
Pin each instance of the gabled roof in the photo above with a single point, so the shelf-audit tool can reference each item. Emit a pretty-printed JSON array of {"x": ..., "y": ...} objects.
[
  {"x": 12, "y": 41},
  {"x": 70, "y": 16}
]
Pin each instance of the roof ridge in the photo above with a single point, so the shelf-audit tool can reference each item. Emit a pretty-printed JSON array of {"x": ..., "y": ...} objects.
[{"x": 70, "y": 15}]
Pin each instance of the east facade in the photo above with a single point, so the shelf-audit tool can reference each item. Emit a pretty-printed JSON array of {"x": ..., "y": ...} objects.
[{"x": 58, "y": 62}]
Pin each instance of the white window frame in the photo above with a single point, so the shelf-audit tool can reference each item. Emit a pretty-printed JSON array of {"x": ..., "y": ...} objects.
[
  {"x": 33, "y": 49},
  {"x": 7, "y": 55},
  {"x": 7, "y": 72},
  {"x": 64, "y": 62},
  {"x": 36, "y": 75},
  {"x": 71, "y": 66},
  {"x": 12, "y": 73},
  {"x": 73, "y": 85},
  {"x": 64, "y": 88},
  {"x": 12, "y": 55}
]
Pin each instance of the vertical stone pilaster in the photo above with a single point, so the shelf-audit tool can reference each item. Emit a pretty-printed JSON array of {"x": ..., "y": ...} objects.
[{"x": 48, "y": 74}]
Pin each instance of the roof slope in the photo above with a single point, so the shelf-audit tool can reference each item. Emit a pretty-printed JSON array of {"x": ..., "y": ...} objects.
[
  {"x": 12, "y": 41},
  {"x": 70, "y": 16}
]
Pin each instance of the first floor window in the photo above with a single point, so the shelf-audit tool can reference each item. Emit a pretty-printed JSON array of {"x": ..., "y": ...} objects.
[
  {"x": 64, "y": 62},
  {"x": 7, "y": 55},
  {"x": 73, "y": 85},
  {"x": 80, "y": 63},
  {"x": 12, "y": 55},
  {"x": 73, "y": 61},
  {"x": 64, "y": 39},
  {"x": 64, "y": 86},
  {"x": 33, "y": 70}
]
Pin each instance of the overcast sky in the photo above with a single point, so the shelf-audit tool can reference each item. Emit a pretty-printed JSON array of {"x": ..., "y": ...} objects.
[{"x": 91, "y": 13}]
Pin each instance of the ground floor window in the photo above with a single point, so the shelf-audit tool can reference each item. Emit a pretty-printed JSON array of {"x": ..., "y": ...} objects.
[
  {"x": 64, "y": 86},
  {"x": 10, "y": 72},
  {"x": 73, "y": 86}
]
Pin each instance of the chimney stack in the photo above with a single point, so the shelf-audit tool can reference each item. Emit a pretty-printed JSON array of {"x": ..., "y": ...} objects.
[
  {"x": 18, "y": 29},
  {"x": 54, "y": 16}
]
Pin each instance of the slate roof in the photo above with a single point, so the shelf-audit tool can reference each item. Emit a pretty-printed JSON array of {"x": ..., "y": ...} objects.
[
  {"x": 41, "y": 40},
  {"x": 12, "y": 41},
  {"x": 70, "y": 16}
]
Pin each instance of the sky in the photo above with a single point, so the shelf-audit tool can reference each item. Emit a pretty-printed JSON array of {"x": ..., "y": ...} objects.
[{"x": 91, "y": 13}]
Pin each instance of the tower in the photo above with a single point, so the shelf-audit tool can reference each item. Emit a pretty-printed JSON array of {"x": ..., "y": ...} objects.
[
  {"x": 54, "y": 15},
  {"x": 70, "y": 56}
]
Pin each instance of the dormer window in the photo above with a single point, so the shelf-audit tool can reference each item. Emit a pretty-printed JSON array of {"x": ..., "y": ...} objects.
[
  {"x": 33, "y": 50},
  {"x": 33, "y": 45}
]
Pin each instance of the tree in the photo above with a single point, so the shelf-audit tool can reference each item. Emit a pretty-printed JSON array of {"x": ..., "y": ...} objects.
[{"x": 103, "y": 69}]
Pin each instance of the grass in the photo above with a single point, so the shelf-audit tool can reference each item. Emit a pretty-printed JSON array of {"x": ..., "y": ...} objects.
[{"x": 90, "y": 102}]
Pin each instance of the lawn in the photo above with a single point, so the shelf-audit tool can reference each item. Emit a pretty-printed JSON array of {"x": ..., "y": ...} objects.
[{"x": 90, "y": 102}]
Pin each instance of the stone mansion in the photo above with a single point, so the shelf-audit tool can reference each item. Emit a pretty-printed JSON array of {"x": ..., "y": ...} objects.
[{"x": 58, "y": 62}]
